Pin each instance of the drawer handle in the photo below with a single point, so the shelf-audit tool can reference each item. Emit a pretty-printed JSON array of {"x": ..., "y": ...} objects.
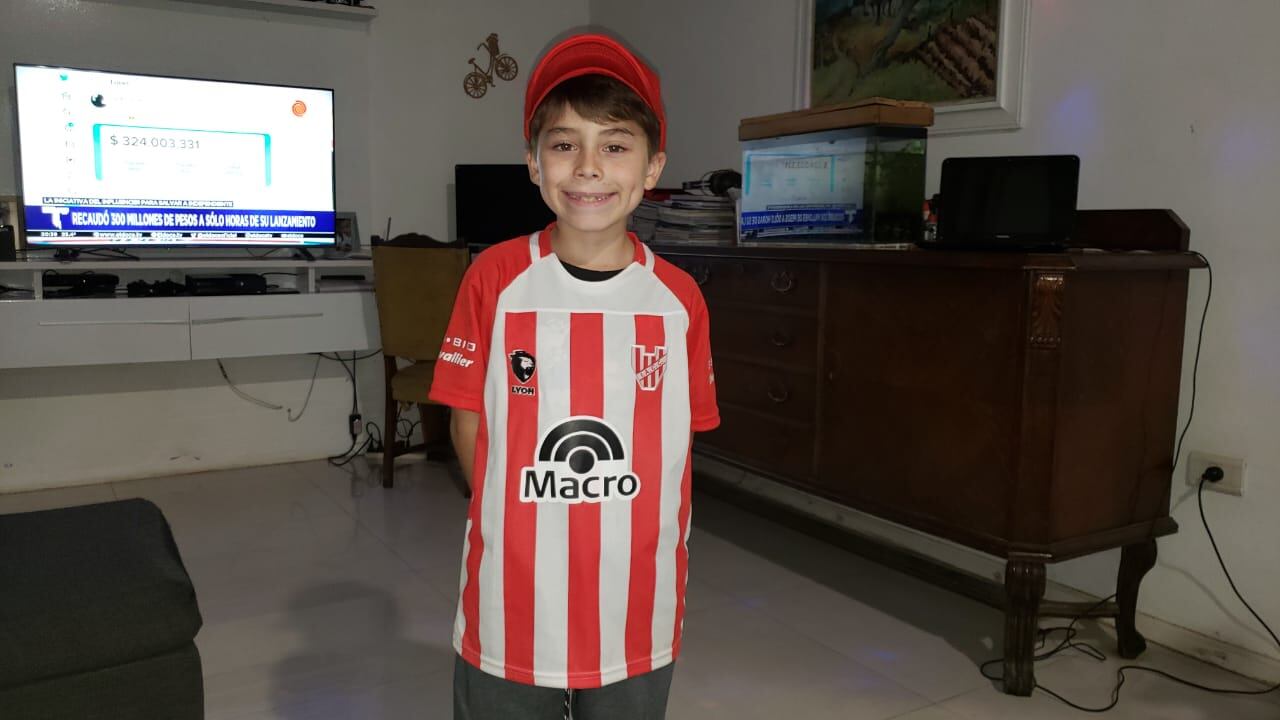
[
  {"x": 701, "y": 274},
  {"x": 780, "y": 338},
  {"x": 62, "y": 323},
  {"x": 778, "y": 394},
  {"x": 294, "y": 316},
  {"x": 783, "y": 281}
]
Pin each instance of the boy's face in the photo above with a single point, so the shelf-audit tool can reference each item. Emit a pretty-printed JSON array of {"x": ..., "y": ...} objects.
[{"x": 592, "y": 175}]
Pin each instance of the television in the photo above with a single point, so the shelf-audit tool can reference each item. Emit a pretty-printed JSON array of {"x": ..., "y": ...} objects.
[
  {"x": 497, "y": 202},
  {"x": 118, "y": 159}
]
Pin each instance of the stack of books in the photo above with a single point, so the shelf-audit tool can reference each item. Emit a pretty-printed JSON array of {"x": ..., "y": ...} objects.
[
  {"x": 644, "y": 221},
  {"x": 686, "y": 219}
]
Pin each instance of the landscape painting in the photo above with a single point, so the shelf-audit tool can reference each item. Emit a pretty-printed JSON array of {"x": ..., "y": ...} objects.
[{"x": 937, "y": 51}]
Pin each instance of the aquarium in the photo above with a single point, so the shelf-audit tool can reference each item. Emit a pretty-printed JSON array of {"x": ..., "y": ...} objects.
[{"x": 859, "y": 185}]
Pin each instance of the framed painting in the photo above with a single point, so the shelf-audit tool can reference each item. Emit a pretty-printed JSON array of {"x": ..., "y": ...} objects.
[{"x": 965, "y": 57}]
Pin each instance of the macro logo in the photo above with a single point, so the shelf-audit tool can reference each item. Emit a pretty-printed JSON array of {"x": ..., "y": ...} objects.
[{"x": 580, "y": 459}]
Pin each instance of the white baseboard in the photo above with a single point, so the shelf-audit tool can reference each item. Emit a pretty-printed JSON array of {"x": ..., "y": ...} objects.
[
  {"x": 375, "y": 458},
  {"x": 1234, "y": 658},
  {"x": 1238, "y": 660}
]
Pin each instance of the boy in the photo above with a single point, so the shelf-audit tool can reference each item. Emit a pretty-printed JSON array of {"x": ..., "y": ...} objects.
[{"x": 577, "y": 364}]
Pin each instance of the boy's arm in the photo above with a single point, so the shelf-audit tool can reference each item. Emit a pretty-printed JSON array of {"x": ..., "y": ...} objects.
[{"x": 463, "y": 425}]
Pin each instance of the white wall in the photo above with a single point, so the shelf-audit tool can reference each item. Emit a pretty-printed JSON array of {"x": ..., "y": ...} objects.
[
  {"x": 423, "y": 122},
  {"x": 402, "y": 122},
  {"x": 1169, "y": 103}
]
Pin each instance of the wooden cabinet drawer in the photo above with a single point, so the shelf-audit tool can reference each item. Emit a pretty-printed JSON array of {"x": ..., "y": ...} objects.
[
  {"x": 766, "y": 338},
  {"x": 782, "y": 393},
  {"x": 777, "y": 446},
  {"x": 49, "y": 333},
  {"x": 249, "y": 325},
  {"x": 780, "y": 283}
]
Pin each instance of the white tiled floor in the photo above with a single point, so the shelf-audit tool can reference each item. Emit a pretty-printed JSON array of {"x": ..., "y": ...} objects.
[{"x": 325, "y": 596}]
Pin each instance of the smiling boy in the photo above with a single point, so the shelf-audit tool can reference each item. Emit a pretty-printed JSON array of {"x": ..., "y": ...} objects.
[{"x": 577, "y": 364}]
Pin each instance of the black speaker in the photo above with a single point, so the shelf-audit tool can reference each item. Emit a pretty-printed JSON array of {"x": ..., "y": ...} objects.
[{"x": 8, "y": 253}]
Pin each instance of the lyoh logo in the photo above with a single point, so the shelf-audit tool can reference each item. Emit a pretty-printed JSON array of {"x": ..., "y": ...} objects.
[
  {"x": 649, "y": 364},
  {"x": 580, "y": 459},
  {"x": 523, "y": 366}
]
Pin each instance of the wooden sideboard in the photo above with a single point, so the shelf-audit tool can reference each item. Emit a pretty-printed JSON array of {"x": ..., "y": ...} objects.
[{"x": 1020, "y": 404}]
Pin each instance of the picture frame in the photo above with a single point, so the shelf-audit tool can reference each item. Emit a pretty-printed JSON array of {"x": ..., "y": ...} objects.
[
  {"x": 346, "y": 231},
  {"x": 11, "y": 214},
  {"x": 1003, "y": 111}
]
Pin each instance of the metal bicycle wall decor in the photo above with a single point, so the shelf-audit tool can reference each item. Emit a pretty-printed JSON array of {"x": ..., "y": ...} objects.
[{"x": 477, "y": 82}]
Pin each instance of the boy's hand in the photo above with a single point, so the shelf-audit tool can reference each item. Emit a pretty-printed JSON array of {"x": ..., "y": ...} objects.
[{"x": 463, "y": 425}]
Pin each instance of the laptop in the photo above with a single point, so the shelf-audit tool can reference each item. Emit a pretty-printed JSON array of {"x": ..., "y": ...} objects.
[{"x": 1017, "y": 203}]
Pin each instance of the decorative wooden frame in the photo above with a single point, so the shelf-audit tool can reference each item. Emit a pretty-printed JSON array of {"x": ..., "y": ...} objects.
[{"x": 1002, "y": 113}]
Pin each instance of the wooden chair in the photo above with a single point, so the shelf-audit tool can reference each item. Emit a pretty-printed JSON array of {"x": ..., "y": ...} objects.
[{"x": 415, "y": 288}]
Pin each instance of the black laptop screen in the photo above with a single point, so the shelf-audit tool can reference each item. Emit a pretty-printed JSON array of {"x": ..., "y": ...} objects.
[{"x": 1008, "y": 201}]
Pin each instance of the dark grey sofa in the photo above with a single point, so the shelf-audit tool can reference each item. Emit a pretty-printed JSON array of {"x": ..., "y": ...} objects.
[{"x": 98, "y": 616}]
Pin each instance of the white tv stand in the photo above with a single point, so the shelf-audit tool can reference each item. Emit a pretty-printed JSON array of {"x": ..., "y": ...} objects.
[{"x": 321, "y": 317}]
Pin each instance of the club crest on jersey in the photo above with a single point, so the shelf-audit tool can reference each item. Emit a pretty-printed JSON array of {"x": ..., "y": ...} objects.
[
  {"x": 523, "y": 366},
  {"x": 580, "y": 459},
  {"x": 649, "y": 364}
]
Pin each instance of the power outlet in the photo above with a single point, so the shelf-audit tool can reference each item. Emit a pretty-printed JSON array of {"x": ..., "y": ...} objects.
[{"x": 1232, "y": 482}]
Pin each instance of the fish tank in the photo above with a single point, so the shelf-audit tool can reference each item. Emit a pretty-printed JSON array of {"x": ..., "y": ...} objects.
[{"x": 850, "y": 186}]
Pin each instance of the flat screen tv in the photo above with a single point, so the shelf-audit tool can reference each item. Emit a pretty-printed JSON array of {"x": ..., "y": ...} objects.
[
  {"x": 117, "y": 159},
  {"x": 497, "y": 202}
]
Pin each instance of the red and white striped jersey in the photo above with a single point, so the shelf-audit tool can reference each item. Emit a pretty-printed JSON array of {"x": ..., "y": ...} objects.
[{"x": 575, "y": 558}]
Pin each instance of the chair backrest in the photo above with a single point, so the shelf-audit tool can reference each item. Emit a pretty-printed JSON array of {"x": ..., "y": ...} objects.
[{"x": 416, "y": 288}]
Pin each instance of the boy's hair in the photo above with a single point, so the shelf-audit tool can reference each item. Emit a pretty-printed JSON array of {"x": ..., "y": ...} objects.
[{"x": 600, "y": 99}]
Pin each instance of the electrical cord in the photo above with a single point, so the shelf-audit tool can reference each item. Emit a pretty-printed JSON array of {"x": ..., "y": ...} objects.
[
  {"x": 353, "y": 450},
  {"x": 351, "y": 454},
  {"x": 351, "y": 373},
  {"x": 118, "y": 253},
  {"x": 354, "y": 396},
  {"x": 270, "y": 405},
  {"x": 413, "y": 425},
  {"x": 314, "y": 371},
  {"x": 370, "y": 444},
  {"x": 1068, "y": 641},
  {"x": 1070, "y": 632},
  {"x": 244, "y": 395},
  {"x": 1195, "y": 368},
  {"x": 366, "y": 356},
  {"x": 378, "y": 445}
]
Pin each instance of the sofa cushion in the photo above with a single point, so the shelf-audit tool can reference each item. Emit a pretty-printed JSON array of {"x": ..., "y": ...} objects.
[
  {"x": 90, "y": 587},
  {"x": 168, "y": 686}
]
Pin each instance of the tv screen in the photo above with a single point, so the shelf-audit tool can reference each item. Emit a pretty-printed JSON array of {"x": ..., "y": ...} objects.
[
  {"x": 119, "y": 159},
  {"x": 497, "y": 202}
]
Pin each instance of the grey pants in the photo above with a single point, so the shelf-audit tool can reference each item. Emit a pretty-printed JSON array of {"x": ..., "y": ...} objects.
[{"x": 477, "y": 695}]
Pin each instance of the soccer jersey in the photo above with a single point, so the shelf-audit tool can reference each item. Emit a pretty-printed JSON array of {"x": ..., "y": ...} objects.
[{"x": 575, "y": 556}]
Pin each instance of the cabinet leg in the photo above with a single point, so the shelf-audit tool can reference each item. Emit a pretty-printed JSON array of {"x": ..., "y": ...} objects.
[
  {"x": 1135, "y": 561},
  {"x": 1024, "y": 581},
  {"x": 389, "y": 423}
]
